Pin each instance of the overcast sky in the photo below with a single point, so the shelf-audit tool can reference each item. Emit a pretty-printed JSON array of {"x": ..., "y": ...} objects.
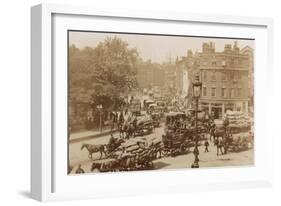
[{"x": 156, "y": 48}]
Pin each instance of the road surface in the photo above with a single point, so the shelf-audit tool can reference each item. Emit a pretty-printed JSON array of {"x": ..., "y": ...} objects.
[{"x": 207, "y": 159}]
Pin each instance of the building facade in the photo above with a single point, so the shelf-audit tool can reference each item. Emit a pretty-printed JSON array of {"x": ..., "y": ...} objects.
[
  {"x": 224, "y": 77},
  {"x": 250, "y": 52}
]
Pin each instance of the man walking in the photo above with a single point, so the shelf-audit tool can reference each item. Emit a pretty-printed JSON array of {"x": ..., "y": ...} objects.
[
  {"x": 206, "y": 144},
  {"x": 196, "y": 153},
  {"x": 219, "y": 146}
]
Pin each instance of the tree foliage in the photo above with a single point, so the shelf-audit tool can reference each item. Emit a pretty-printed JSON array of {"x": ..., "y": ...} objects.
[{"x": 101, "y": 74}]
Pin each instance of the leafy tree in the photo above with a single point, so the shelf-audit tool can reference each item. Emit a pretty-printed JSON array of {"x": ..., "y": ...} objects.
[{"x": 100, "y": 75}]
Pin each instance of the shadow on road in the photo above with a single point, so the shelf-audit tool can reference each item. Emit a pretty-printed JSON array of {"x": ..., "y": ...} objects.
[{"x": 160, "y": 165}]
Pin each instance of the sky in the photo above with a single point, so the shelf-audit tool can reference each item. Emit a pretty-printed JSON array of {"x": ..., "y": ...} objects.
[{"x": 157, "y": 48}]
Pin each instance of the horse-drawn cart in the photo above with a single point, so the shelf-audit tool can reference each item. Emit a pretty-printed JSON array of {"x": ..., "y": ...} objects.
[
  {"x": 144, "y": 126},
  {"x": 177, "y": 139},
  {"x": 133, "y": 154},
  {"x": 239, "y": 143},
  {"x": 175, "y": 143}
]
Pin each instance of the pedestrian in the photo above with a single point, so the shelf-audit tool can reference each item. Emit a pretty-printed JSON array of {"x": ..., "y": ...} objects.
[
  {"x": 195, "y": 165},
  {"x": 196, "y": 153},
  {"x": 206, "y": 144},
  {"x": 79, "y": 170},
  {"x": 219, "y": 146}
]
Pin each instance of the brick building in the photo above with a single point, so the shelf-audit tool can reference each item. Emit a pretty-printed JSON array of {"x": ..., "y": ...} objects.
[{"x": 225, "y": 81}]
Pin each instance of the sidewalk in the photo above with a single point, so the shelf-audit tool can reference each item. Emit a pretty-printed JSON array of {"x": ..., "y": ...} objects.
[{"x": 85, "y": 135}]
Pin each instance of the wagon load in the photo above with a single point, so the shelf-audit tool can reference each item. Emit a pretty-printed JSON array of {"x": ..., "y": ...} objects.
[
  {"x": 240, "y": 142},
  {"x": 237, "y": 120},
  {"x": 138, "y": 151}
]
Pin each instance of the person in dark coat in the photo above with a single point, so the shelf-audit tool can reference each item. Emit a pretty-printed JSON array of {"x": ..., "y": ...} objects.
[
  {"x": 206, "y": 144},
  {"x": 196, "y": 153},
  {"x": 220, "y": 145},
  {"x": 195, "y": 165}
]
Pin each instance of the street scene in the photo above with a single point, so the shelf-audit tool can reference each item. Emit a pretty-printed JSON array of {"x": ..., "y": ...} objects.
[{"x": 147, "y": 102}]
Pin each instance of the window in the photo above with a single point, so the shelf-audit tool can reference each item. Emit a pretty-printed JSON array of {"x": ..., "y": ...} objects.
[
  {"x": 214, "y": 63},
  {"x": 204, "y": 91},
  {"x": 213, "y": 92},
  {"x": 235, "y": 76},
  {"x": 231, "y": 91},
  {"x": 239, "y": 75},
  {"x": 223, "y": 92},
  {"x": 223, "y": 76},
  {"x": 204, "y": 75},
  {"x": 231, "y": 75},
  {"x": 204, "y": 62},
  {"x": 239, "y": 92},
  {"x": 244, "y": 106},
  {"x": 214, "y": 76}
]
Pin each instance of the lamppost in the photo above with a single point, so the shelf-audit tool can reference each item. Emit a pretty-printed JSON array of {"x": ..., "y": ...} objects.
[
  {"x": 196, "y": 89},
  {"x": 99, "y": 107}
]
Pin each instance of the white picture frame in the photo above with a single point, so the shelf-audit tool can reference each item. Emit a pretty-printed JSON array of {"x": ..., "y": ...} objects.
[{"x": 49, "y": 182}]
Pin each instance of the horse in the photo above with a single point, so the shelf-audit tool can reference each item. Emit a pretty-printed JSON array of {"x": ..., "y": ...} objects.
[
  {"x": 130, "y": 130},
  {"x": 93, "y": 149},
  {"x": 122, "y": 129},
  {"x": 109, "y": 166},
  {"x": 126, "y": 130}
]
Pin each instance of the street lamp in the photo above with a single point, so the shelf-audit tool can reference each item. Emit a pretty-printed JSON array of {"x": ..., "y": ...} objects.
[
  {"x": 99, "y": 107},
  {"x": 196, "y": 88}
]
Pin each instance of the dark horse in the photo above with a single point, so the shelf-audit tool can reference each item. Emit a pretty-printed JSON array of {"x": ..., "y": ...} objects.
[
  {"x": 93, "y": 149},
  {"x": 127, "y": 130}
]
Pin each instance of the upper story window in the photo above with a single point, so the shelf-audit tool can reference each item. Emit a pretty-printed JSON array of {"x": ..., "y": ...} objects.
[
  {"x": 223, "y": 92},
  {"x": 239, "y": 92},
  {"x": 231, "y": 92},
  {"x": 204, "y": 91},
  {"x": 235, "y": 76},
  {"x": 231, "y": 75},
  {"x": 204, "y": 75},
  {"x": 223, "y": 76},
  {"x": 240, "y": 75},
  {"x": 213, "y": 92},
  {"x": 214, "y": 76},
  {"x": 204, "y": 62}
]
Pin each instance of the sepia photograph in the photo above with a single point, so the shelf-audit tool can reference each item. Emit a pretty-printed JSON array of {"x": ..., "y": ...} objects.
[{"x": 153, "y": 102}]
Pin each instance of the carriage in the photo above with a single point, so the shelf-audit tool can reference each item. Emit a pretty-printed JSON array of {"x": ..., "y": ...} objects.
[
  {"x": 156, "y": 118},
  {"x": 239, "y": 143},
  {"x": 177, "y": 139},
  {"x": 144, "y": 125}
]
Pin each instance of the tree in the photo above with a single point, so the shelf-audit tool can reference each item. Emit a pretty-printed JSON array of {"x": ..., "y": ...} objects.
[{"x": 103, "y": 73}]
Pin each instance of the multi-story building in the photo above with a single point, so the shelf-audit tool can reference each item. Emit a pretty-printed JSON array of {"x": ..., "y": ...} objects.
[
  {"x": 250, "y": 52},
  {"x": 224, "y": 77}
]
